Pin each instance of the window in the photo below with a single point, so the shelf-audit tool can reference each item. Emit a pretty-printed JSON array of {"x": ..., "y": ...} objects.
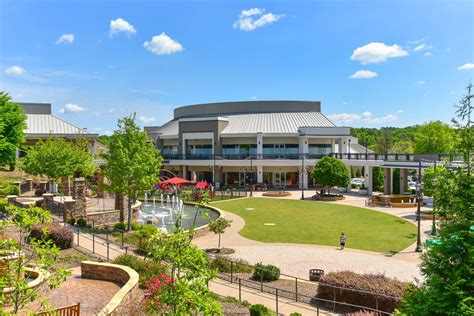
[{"x": 319, "y": 149}]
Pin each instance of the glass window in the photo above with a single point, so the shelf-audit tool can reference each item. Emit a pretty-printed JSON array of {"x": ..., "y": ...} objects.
[
  {"x": 319, "y": 149},
  {"x": 268, "y": 149}
]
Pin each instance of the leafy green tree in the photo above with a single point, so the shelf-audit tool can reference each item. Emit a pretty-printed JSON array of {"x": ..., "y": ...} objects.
[
  {"x": 384, "y": 141},
  {"x": 428, "y": 175},
  {"x": 218, "y": 226},
  {"x": 41, "y": 253},
  {"x": 434, "y": 138},
  {"x": 132, "y": 164},
  {"x": 330, "y": 172},
  {"x": 188, "y": 292},
  {"x": 448, "y": 265},
  {"x": 12, "y": 129},
  {"x": 377, "y": 178},
  {"x": 57, "y": 157},
  {"x": 396, "y": 181},
  {"x": 403, "y": 147}
]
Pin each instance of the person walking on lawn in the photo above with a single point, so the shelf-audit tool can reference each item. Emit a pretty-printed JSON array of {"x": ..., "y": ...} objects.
[{"x": 342, "y": 241}]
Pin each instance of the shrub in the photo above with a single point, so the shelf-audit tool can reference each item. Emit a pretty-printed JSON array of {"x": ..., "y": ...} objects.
[
  {"x": 296, "y": 314},
  {"x": 222, "y": 264},
  {"x": 60, "y": 235},
  {"x": 372, "y": 283},
  {"x": 8, "y": 189},
  {"x": 71, "y": 221},
  {"x": 81, "y": 222},
  {"x": 120, "y": 226},
  {"x": 135, "y": 226},
  {"x": 147, "y": 231},
  {"x": 146, "y": 269},
  {"x": 259, "y": 310},
  {"x": 266, "y": 272},
  {"x": 3, "y": 205}
]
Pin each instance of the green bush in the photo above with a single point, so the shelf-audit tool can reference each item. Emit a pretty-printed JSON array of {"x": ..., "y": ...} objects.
[
  {"x": 8, "y": 189},
  {"x": 147, "y": 231},
  {"x": 3, "y": 205},
  {"x": 81, "y": 222},
  {"x": 222, "y": 264},
  {"x": 296, "y": 314},
  {"x": 120, "y": 226},
  {"x": 266, "y": 272},
  {"x": 71, "y": 221},
  {"x": 260, "y": 310},
  {"x": 135, "y": 226},
  {"x": 146, "y": 269}
]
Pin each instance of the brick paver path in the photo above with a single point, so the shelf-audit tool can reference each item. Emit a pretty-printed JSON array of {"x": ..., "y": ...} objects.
[{"x": 93, "y": 295}]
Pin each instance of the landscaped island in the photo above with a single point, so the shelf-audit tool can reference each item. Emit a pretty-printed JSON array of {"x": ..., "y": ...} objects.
[{"x": 304, "y": 222}]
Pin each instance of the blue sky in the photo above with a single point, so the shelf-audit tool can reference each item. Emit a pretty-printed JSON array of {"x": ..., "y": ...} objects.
[{"x": 96, "y": 61}]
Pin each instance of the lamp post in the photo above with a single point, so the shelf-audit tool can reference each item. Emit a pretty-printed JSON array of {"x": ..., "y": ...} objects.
[
  {"x": 349, "y": 148},
  {"x": 251, "y": 176},
  {"x": 419, "y": 198},
  {"x": 433, "y": 187},
  {"x": 366, "y": 149}
]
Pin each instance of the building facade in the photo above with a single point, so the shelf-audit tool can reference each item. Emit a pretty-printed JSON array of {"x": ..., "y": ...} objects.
[{"x": 276, "y": 143}]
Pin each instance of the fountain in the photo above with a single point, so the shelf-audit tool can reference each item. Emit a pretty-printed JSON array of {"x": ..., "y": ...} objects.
[{"x": 165, "y": 214}]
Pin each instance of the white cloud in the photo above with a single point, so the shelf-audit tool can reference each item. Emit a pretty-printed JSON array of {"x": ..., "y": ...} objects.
[
  {"x": 363, "y": 74},
  {"x": 146, "y": 119},
  {"x": 120, "y": 25},
  {"x": 377, "y": 52},
  {"x": 65, "y": 38},
  {"x": 420, "y": 82},
  {"x": 428, "y": 54},
  {"x": 467, "y": 66},
  {"x": 422, "y": 47},
  {"x": 253, "y": 98},
  {"x": 399, "y": 111},
  {"x": 252, "y": 19},
  {"x": 14, "y": 70},
  {"x": 418, "y": 40},
  {"x": 365, "y": 117},
  {"x": 72, "y": 108},
  {"x": 163, "y": 45}
]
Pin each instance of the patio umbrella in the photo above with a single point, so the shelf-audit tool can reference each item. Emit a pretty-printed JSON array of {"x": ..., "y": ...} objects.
[
  {"x": 202, "y": 185},
  {"x": 176, "y": 181}
]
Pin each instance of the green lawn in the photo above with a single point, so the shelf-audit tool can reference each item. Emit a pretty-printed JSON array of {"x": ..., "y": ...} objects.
[{"x": 308, "y": 222}]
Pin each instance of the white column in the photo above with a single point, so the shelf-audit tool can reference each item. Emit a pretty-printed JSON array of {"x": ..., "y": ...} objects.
[
  {"x": 333, "y": 145},
  {"x": 185, "y": 174},
  {"x": 259, "y": 174},
  {"x": 259, "y": 144},
  {"x": 303, "y": 145},
  {"x": 303, "y": 179},
  {"x": 368, "y": 179},
  {"x": 345, "y": 145},
  {"x": 339, "y": 146}
]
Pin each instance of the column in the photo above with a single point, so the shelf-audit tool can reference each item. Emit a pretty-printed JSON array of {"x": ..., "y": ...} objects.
[
  {"x": 65, "y": 186},
  {"x": 333, "y": 145},
  {"x": 403, "y": 181},
  {"x": 185, "y": 172},
  {"x": 387, "y": 181},
  {"x": 259, "y": 174},
  {"x": 259, "y": 145},
  {"x": 78, "y": 194},
  {"x": 339, "y": 146},
  {"x": 303, "y": 179},
  {"x": 303, "y": 145},
  {"x": 368, "y": 179},
  {"x": 194, "y": 176}
]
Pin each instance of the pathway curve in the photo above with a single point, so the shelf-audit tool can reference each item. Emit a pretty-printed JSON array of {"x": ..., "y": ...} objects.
[{"x": 297, "y": 259}]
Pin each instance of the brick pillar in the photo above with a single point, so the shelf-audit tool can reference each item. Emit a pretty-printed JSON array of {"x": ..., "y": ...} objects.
[
  {"x": 11, "y": 199},
  {"x": 48, "y": 199},
  {"x": 30, "y": 184},
  {"x": 69, "y": 207},
  {"x": 78, "y": 194},
  {"x": 65, "y": 186}
]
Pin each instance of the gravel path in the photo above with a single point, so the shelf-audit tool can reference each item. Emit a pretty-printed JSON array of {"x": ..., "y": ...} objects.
[{"x": 296, "y": 259}]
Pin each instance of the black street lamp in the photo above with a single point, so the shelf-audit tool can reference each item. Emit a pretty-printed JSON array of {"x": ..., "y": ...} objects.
[
  {"x": 419, "y": 198},
  {"x": 349, "y": 148},
  {"x": 251, "y": 176},
  {"x": 433, "y": 187},
  {"x": 366, "y": 149},
  {"x": 302, "y": 177}
]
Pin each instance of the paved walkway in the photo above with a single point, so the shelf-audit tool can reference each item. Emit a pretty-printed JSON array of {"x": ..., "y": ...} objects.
[
  {"x": 93, "y": 295},
  {"x": 296, "y": 259}
]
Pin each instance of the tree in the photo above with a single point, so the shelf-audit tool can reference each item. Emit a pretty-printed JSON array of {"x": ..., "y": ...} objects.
[
  {"x": 41, "y": 253},
  {"x": 329, "y": 172},
  {"x": 434, "y": 138},
  {"x": 186, "y": 290},
  {"x": 448, "y": 265},
  {"x": 396, "y": 181},
  {"x": 132, "y": 164},
  {"x": 12, "y": 129},
  {"x": 377, "y": 178},
  {"x": 384, "y": 141},
  {"x": 428, "y": 175},
  {"x": 218, "y": 226},
  {"x": 403, "y": 147},
  {"x": 57, "y": 157}
]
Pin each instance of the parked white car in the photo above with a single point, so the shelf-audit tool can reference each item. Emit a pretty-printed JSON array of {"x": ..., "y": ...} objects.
[
  {"x": 412, "y": 185},
  {"x": 357, "y": 181}
]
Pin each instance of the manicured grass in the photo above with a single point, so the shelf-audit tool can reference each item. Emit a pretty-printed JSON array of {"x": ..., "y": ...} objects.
[{"x": 309, "y": 222}]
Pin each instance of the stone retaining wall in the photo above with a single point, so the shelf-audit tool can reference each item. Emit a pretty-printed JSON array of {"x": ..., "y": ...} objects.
[
  {"x": 124, "y": 302},
  {"x": 110, "y": 217}
]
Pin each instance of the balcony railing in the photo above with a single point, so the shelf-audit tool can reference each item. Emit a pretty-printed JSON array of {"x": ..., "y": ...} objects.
[{"x": 345, "y": 156}]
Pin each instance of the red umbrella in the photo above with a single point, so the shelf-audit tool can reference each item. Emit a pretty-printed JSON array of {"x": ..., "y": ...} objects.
[
  {"x": 176, "y": 181},
  {"x": 203, "y": 185}
]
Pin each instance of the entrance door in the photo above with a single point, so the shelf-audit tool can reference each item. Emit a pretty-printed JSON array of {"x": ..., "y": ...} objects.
[{"x": 279, "y": 180}]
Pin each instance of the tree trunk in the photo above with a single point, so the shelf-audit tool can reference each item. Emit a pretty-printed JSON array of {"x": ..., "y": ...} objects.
[
  {"x": 129, "y": 221},
  {"x": 219, "y": 243}
]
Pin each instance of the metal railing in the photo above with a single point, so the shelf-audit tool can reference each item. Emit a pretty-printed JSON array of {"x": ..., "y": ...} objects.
[{"x": 400, "y": 157}]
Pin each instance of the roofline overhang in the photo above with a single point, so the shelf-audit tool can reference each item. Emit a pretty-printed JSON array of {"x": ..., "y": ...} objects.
[{"x": 88, "y": 135}]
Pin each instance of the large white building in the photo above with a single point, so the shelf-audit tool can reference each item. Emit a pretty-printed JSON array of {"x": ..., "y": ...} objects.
[{"x": 272, "y": 142}]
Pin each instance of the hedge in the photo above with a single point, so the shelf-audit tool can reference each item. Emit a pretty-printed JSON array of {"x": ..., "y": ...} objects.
[
  {"x": 60, "y": 235},
  {"x": 146, "y": 269},
  {"x": 266, "y": 272},
  {"x": 222, "y": 264},
  {"x": 372, "y": 284}
]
